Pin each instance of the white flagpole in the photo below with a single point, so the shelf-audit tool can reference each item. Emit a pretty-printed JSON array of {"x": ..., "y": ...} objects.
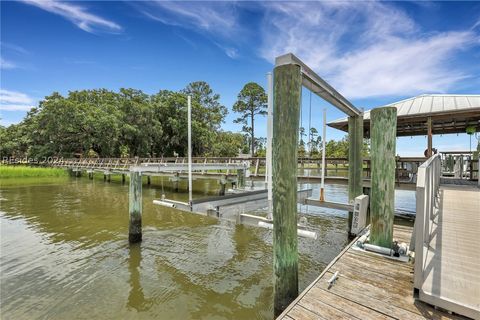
[
  {"x": 189, "y": 99},
  {"x": 324, "y": 138}
]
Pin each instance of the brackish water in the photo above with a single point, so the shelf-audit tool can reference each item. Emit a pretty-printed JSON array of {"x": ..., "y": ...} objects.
[{"x": 65, "y": 254}]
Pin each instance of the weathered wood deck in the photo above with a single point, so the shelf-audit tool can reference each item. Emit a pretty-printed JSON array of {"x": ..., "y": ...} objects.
[
  {"x": 451, "y": 277},
  {"x": 368, "y": 287}
]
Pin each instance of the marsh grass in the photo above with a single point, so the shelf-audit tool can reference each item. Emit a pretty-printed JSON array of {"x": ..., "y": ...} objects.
[{"x": 30, "y": 172}]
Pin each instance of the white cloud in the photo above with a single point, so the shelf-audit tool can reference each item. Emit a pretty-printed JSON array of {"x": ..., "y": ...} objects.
[
  {"x": 7, "y": 123},
  {"x": 13, "y": 47},
  {"x": 15, "y": 107},
  {"x": 217, "y": 20},
  {"x": 400, "y": 66},
  {"x": 15, "y": 101},
  {"x": 76, "y": 14},
  {"x": 231, "y": 52},
  {"x": 215, "y": 17},
  {"x": 364, "y": 48},
  {"x": 5, "y": 64},
  {"x": 476, "y": 24},
  {"x": 7, "y": 96}
]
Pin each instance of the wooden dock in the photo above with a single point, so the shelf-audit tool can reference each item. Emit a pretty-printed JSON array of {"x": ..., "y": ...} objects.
[
  {"x": 450, "y": 275},
  {"x": 369, "y": 286}
]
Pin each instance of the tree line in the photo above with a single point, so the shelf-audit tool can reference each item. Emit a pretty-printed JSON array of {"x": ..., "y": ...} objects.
[{"x": 130, "y": 123}]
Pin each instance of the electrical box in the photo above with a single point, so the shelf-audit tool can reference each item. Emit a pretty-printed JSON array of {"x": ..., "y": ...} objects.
[{"x": 359, "y": 214}]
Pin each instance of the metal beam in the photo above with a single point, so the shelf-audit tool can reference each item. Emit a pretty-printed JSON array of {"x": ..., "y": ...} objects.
[
  {"x": 218, "y": 206},
  {"x": 174, "y": 167},
  {"x": 317, "y": 85}
]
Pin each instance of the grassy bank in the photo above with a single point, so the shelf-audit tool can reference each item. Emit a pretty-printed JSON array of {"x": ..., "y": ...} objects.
[{"x": 30, "y": 172}]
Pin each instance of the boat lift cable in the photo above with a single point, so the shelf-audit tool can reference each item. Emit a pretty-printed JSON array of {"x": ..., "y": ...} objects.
[
  {"x": 310, "y": 126},
  {"x": 301, "y": 115}
]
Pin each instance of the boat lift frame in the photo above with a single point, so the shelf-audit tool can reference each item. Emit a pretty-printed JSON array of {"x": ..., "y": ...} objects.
[{"x": 215, "y": 206}]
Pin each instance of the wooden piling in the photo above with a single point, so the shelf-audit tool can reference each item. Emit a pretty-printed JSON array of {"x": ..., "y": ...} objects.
[
  {"x": 176, "y": 180},
  {"x": 223, "y": 184},
  {"x": 355, "y": 161},
  {"x": 149, "y": 180},
  {"x": 382, "y": 204},
  {"x": 123, "y": 178},
  {"x": 287, "y": 95},
  {"x": 429, "y": 135},
  {"x": 135, "y": 208},
  {"x": 240, "y": 178}
]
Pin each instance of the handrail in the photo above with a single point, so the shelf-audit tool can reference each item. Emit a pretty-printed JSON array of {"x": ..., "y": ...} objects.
[
  {"x": 406, "y": 167},
  {"x": 427, "y": 190}
]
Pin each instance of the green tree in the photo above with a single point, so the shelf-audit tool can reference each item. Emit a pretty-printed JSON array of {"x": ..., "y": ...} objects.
[
  {"x": 171, "y": 109},
  {"x": 207, "y": 115},
  {"x": 14, "y": 141},
  {"x": 59, "y": 127},
  {"x": 337, "y": 149},
  {"x": 366, "y": 148},
  {"x": 227, "y": 144},
  {"x": 302, "y": 134},
  {"x": 138, "y": 125},
  {"x": 103, "y": 123},
  {"x": 250, "y": 102},
  {"x": 210, "y": 111}
]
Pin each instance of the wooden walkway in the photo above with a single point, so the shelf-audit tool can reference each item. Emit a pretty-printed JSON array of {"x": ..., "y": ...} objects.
[
  {"x": 451, "y": 274},
  {"x": 368, "y": 287}
]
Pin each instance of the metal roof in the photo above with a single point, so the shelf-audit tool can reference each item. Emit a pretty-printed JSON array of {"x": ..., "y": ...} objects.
[{"x": 450, "y": 113}]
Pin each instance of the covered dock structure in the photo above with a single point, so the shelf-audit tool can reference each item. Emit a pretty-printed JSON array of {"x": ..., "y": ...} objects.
[{"x": 429, "y": 114}]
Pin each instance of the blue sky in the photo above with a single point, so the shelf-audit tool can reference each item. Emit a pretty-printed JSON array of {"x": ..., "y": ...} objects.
[{"x": 374, "y": 53}]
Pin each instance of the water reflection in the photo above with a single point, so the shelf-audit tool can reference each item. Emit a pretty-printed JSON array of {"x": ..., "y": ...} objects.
[
  {"x": 65, "y": 255},
  {"x": 136, "y": 297}
]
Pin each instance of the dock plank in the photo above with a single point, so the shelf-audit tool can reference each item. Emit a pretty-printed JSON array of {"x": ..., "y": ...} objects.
[
  {"x": 450, "y": 273},
  {"x": 369, "y": 286},
  {"x": 355, "y": 310}
]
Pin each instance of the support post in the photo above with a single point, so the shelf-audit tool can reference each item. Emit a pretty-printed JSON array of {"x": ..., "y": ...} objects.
[
  {"x": 135, "y": 207},
  {"x": 355, "y": 161},
  {"x": 223, "y": 184},
  {"x": 104, "y": 177},
  {"x": 176, "y": 180},
  {"x": 123, "y": 178},
  {"x": 286, "y": 114},
  {"x": 477, "y": 156},
  {"x": 149, "y": 180},
  {"x": 429, "y": 132},
  {"x": 383, "y": 125},
  {"x": 269, "y": 145},
  {"x": 240, "y": 178}
]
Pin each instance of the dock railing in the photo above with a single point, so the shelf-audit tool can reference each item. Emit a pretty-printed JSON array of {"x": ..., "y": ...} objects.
[
  {"x": 406, "y": 167},
  {"x": 427, "y": 191}
]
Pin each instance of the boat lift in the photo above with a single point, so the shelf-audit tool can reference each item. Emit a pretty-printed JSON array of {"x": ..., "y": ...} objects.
[{"x": 239, "y": 203}]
